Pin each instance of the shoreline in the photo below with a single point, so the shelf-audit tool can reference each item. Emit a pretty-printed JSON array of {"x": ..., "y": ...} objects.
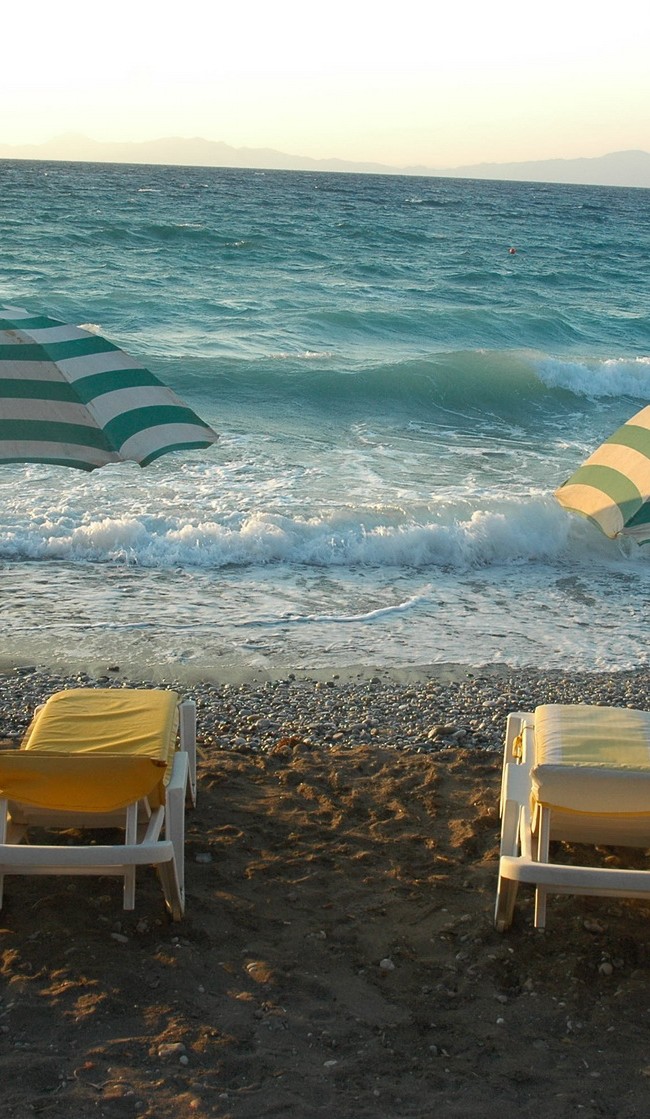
[
  {"x": 186, "y": 676},
  {"x": 422, "y": 708},
  {"x": 122, "y": 672}
]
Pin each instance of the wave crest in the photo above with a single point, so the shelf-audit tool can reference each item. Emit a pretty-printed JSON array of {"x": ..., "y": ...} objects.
[
  {"x": 513, "y": 532},
  {"x": 607, "y": 378},
  {"x": 506, "y": 384}
]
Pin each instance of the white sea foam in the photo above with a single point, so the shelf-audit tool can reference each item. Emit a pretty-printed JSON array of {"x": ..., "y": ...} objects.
[
  {"x": 373, "y": 615},
  {"x": 610, "y": 377},
  {"x": 304, "y": 355},
  {"x": 509, "y": 532}
]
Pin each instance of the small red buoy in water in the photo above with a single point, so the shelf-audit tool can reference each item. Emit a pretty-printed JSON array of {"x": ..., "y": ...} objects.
[{"x": 512, "y": 251}]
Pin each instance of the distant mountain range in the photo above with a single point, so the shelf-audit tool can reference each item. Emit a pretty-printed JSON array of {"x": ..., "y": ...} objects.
[{"x": 626, "y": 168}]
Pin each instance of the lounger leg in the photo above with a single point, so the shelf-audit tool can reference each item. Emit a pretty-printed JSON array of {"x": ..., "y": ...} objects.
[
  {"x": 543, "y": 834},
  {"x": 172, "y": 874},
  {"x": 505, "y": 906},
  {"x": 507, "y": 887},
  {"x": 130, "y": 837}
]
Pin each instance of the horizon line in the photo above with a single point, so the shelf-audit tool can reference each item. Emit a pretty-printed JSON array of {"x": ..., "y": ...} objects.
[{"x": 625, "y": 168}]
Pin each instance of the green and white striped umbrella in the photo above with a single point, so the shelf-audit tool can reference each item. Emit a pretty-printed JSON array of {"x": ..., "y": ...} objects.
[
  {"x": 612, "y": 487},
  {"x": 70, "y": 397}
]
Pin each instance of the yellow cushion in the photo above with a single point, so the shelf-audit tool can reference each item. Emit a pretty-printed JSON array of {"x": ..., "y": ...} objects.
[
  {"x": 79, "y": 782},
  {"x": 592, "y": 759},
  {"x": 94, "y": 750},
  {"x": 106, "y": 720}
]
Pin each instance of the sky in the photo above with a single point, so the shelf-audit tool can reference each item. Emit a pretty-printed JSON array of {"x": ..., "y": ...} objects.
[{"x": 399, "y": 84}]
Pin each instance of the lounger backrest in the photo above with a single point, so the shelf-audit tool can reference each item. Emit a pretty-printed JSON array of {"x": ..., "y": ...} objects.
[
  {"x": 79, "y": 782},
  {"x": 592, "y": 759},
  {"x": 94, "y": 750}
]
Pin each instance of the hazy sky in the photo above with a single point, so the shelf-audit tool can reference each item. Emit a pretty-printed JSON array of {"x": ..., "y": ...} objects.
[{"x": 404, "y": 83}]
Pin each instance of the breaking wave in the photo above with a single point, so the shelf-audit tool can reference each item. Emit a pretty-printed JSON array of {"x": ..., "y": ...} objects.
[{"x": 504, "y": 534}]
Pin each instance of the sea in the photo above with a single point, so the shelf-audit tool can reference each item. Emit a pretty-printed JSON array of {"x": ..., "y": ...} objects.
[{"x": 401, "y": 370}]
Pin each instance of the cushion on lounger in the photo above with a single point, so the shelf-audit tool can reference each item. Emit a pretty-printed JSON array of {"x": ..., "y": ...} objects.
[
  {"x": 94, "y": 750},
  {"x": 592, "y": 759},
  {"x": 92, "y": 783}
]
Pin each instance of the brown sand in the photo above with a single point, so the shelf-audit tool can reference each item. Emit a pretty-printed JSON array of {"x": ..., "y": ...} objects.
[{"x": 270, "y": 995}]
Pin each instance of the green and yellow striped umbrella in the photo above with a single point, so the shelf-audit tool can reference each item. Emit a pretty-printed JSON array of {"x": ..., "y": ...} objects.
[
  {"x": 612, "y": 487},
  {"x": 72, "y": 398}
]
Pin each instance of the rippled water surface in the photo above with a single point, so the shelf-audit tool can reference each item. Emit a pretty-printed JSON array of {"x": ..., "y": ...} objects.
[{"x": 397, "y": 394}]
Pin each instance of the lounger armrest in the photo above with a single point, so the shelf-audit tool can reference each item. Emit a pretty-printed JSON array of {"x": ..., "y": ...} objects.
[
  {"x": 180, "y": 772},
  {"x": 187, "y": 727}
]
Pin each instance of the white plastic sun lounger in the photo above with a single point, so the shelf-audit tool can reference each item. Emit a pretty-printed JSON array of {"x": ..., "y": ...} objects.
[
  {"x": 96, "y": 758},
  {"x": 575, "y": 773}
]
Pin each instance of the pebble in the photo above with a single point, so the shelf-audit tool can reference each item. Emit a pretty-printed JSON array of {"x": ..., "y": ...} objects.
[
  {"x": 593, "y": 926},
  {"x": 429, "y": 715},
  {"x": 172, "y": 1049}
]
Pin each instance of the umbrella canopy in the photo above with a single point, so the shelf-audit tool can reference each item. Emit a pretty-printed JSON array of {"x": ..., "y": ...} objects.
[
  {"x": 612, "y": 487},
  {"x": 70, "y": 397}
]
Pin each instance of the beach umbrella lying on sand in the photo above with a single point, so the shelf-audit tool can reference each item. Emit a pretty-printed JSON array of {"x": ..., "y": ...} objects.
[
  {"x": 70, "y": 397},
  {"x": 612, "y": 487}
]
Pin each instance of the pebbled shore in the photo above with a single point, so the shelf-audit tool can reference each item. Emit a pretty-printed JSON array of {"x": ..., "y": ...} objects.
[
  {"x": 416, "y": 710},
  {"x": 337, "y": 955}
]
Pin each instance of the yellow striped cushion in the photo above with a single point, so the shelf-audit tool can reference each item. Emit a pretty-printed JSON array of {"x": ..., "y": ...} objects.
[
  {"x": 592, "y": 759},
  {"x": 94, "y": 750}
]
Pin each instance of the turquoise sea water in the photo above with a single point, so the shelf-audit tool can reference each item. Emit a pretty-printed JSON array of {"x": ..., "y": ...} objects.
[{"x": 397, "y": 394}]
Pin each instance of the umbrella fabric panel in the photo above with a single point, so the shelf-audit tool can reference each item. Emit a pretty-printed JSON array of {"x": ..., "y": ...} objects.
[
  {"x": 148, "y": 444},
  {"x": 72, "y": 397},
  {"x": 613, "y": 485},
  {"x": 79, "y": 344}
]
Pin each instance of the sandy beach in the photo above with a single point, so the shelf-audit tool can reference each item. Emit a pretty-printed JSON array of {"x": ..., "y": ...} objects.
[{"x": 337, "y": 956}]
